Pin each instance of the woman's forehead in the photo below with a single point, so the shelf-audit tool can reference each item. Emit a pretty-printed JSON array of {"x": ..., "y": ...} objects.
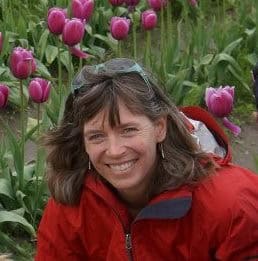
[{"x": 124, "y": 115}]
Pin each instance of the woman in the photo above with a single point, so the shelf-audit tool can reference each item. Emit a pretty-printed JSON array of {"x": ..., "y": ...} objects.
[{"x": 133, "y": 178}]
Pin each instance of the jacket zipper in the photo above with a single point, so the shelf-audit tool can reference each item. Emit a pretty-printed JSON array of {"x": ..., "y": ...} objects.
[{"x": 128, "y": 246}]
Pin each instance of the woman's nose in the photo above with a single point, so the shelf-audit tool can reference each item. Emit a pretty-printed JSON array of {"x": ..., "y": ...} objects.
[{"x": 115, "y": 147}]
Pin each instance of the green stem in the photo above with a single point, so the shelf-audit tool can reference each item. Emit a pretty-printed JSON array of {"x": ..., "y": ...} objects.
[
  {"x": 70, "y": 70},
  {"x": 147, "y": 57},
  {"x": 38, "y": 117},
  {"x": 162, "y": 44},
  {"x": 119, "y": 49},
  {"x": 37, "y": 170},
  {"x": 169, "y": 23},
  {"x": 59, "y": 70},
  {"x": 134, "y": 37},
  {"x": 22, "y": 118},
  {"x": 80, "y": 59}
]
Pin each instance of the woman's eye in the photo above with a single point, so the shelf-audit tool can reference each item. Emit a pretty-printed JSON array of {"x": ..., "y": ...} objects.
[
  {"x": 129, "y": 130},
  {"x": 96, "y": 137}
]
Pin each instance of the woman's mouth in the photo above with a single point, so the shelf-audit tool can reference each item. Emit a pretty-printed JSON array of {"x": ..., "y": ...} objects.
[{"x": 121, "y": 167}]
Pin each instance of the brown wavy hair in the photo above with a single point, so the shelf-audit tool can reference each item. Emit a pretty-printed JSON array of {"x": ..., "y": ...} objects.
[{"x": 184, "y": 162}]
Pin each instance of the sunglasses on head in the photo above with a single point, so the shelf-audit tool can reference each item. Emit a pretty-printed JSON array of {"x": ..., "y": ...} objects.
[{"x": 112, "y": 67}]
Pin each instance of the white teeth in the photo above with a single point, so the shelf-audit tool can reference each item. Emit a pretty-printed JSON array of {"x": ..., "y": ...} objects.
[{"x": 122, "y": 167}]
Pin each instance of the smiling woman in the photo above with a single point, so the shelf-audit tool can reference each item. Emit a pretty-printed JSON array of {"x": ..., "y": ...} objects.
[{"x": 132, "y": 177}]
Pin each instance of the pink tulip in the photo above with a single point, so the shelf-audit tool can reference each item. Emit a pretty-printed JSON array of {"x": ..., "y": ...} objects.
[
  {"x": 4, "y": 93},
  {"x": 119, "y": 27},
  {"x": 73, "y": 32},
  {"x": 131, "y": 2},
  {"x": 22, "y": 63},
  {"x": 193, "y": 2},
  {"x": 1, "y": 41},
  {"x": 39, "y": 90},
  {"x": 156, "y": 5},
  {"x": 56, "y": 20},
  {"x": 82, "y": 9},
  {"x": 220, "y": 101},
  {"x": 149, "y": 19},
  {"x": 116, "y": 2}
]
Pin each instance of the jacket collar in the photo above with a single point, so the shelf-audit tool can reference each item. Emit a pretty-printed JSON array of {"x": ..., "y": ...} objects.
[{"x": 171, "y": 204}]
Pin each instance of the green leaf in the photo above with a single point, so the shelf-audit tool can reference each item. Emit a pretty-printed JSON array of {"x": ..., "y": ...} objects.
[
  {"x": 14, "y": 147},
  {"x": 43, "y": 43},
  {"x": 5, "y": 188},
  {"x": 88, "y": 29},
  {"x": 232, "y": 46},
  {"x": 112, "y": 43},
  {"x": 51, "y": 53},
  {"x": 9, "y": 216},
  {"x": 206, "y": 59},
  {"x": 64, "y": 57},
  {"x": 42, "y": 70}
]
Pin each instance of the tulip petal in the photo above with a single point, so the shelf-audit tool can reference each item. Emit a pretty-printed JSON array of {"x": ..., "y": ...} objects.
[
  {"x": 236, "y": 130},
  {"x": 35, "y": 91},
  {"x": 78, "y": 53}
]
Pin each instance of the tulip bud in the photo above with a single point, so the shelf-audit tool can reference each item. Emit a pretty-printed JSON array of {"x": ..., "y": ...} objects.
[
  {"x": 82, "y": 9},
  {"x": 156, "y": 5},
  {"x": 4, "y": 93},
  {"x": 119, "y": 27},
  {"x": 1, "y": 41},
  {"x": 39, "y": 90},
  {"x": 22, "y": 63},
  {"x": 220, "y": 101},
  {"x": 116, "y": 2},
  {"x": 149, "y": 19},
  {"x": 73, "y": 32},
  {"x": 131, "y": 2},
  {"x": 193, "y": 2},
  {"x": 56, "y": 20}
]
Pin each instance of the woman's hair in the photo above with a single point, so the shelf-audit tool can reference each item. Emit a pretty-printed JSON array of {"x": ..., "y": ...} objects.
[{"x": 184, "y": 162}]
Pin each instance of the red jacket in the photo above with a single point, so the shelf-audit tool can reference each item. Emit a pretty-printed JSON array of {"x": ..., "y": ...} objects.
[{"x": 214, "y": 220}]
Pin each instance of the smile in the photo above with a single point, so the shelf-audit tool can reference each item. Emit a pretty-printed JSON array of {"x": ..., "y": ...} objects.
[{"x": 123, "y": 166}]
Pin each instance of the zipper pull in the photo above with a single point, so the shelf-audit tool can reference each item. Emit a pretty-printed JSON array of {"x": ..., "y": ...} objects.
[{"x": 128, "y": 242}]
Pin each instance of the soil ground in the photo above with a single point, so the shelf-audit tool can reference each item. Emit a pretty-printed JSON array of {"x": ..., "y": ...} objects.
[{"x": 245, "y": 146}]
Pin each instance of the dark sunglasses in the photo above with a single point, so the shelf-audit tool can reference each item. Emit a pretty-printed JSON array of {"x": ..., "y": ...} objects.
[{"x": 112, "y": 67}]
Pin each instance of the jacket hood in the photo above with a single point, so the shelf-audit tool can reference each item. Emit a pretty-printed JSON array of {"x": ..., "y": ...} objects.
[{"x": 199, "y": 114}]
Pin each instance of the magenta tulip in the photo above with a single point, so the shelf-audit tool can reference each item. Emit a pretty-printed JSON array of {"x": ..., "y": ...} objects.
[
  {"x": 193, "y": 3},
  {"x": 82, "y": 9},
  {"x": 220, "y": 101},
  {"x": 1, "y": 41},
  {"x": 119, "y": 27},
  {"x": 131, "y": 2},
  {"x": 149, "y": 19},
  {"x": 22, "y": 63},
  {"x": 39, "y": 90},
  {"x": 56, "y": 20},
  {"x": 116, "y": 2},
  {"x": 73, "y": 31},
  {"x": 156, "y": 5},
  {"x": 4, "y": 93}
]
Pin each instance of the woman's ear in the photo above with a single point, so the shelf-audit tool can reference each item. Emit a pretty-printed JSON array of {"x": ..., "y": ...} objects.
[{"x": 161, "y": 129}]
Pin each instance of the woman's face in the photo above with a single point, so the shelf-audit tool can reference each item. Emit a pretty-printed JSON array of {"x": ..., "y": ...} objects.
[{"x": 126, "y": 154}]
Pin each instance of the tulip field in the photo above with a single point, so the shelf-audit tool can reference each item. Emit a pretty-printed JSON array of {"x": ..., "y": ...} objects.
[{"x": 202, "y": 51}]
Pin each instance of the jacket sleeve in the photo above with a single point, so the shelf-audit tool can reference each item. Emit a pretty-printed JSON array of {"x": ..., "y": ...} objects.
[
  {"x": 56, "y": 238},
  {"x": 240, "y": 241}
]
